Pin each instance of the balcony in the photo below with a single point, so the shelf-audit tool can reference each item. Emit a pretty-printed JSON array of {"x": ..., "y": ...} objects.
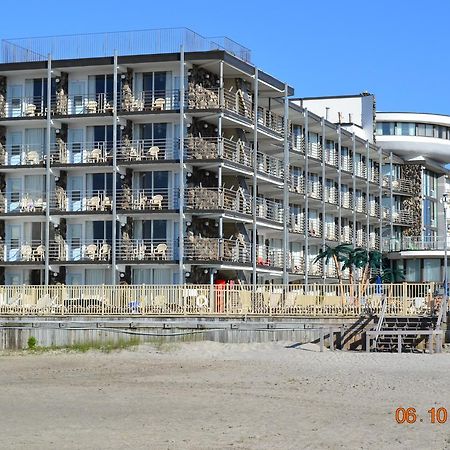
[
  {"x": 296, "y": 263},
  {"x": 94, "y": 152},
  {"x": 315, "y": 190},
  {"x": 99, "y": 103},
  {"x": 296, "y": 184},
  {"x": 331, "y": 232},
  {"x": 399, "y": 185},
  {"x": 144, "y": 250},
  {"x": 270, "y": 120},
  {"x": 361, "y": 238},
  {"x": 269, "y": 165},
  {"x": 147, "y": 150},
  {"x": 197, "y": 248},
  {"x": 23, "y": 202},
  {"x": 374, "y": 209},
  {"x": 296, "y": 223},
  {"x": 269, "y": 210},
  {"x": 148, "y": 199},
  {"x": 213, "y": 199},
  {"x": 346, "y": 235},
  {"x": 23, "y": 251},
  {"x": 149, "y": 101},
  {"x": 22, "y": 155},
  {"x": 81, "y": 201},
  {"x": 315, "y": 150},
  {"x": 98, "y": 250},
  {"x": 415, "y": 243},
  {"x": 315, "y": 228},
  {"x": 331, "y": 197},
  {"x": 346, "y": 163},
  {"x": 268, "y": 256},
  {"x": 25, "y": 107},
  {"x": 360, "y": 170},
  {"x": 398, "y": 216},
  {"x": 360, "y": 205}
]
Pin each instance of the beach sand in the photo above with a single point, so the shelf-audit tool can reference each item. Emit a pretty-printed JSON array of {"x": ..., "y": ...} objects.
[{"x": 207, "y": 395}]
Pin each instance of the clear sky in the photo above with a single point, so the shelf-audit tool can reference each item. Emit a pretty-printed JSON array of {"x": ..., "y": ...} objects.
[{"x": 396, "y": 49}]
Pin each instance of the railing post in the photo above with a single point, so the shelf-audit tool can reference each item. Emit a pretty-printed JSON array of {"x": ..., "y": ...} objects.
[{"x": 404, "y": 298}]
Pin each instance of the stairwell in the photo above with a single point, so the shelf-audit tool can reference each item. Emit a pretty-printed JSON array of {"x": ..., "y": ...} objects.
[{"x": 409, "y": 343}]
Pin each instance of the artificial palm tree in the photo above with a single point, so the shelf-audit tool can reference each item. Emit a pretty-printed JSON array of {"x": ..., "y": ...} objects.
[{"x": 338, "y": 254}]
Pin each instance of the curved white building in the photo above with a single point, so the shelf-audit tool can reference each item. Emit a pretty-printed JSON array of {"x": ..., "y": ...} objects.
[{"x": 415, "y": 135}]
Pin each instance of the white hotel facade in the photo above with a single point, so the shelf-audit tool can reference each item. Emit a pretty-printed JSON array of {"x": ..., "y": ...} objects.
[{"x": 182, "y": 162}]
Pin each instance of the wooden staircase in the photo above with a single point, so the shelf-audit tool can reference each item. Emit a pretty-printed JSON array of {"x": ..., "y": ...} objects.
[{"x": 409, "y": 343}]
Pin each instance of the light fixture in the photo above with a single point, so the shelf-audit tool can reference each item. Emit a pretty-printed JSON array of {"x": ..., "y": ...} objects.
[
  {"x": 216, "y": 224},
  {"x": 205, "y": 125},
  {"x": 206, "y": 223},
  {"x": 57, "y": 80},
  {"x": 123, "y": 76},
  {"x": 122, "y": 275},
  {"x": 189, "y": 174},
  {"x": 207, "y": 75},
  {"x": 122, "y": 176},
  {"x": 215, "y": 272},
  {"x": 206, "y": 271},
  {"x": 122, "y": 127},
  {"x": 207, "y": 174},
  {"x": 188, "y": 274},
  {"x": 57, "y": 131},
  {"x": 188, "y": 224},
  {"x": 55, "y": 274},
  {"x": 56, "y": 178},
  {"x": 216, "y": 130},
  {"x": 188, "y": 125}
]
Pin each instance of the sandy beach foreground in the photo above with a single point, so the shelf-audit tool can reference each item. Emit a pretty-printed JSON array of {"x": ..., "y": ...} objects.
[{"x": 208, "y": 395}]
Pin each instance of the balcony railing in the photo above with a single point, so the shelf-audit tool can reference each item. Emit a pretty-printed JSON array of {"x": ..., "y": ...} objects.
[
  {"x": 400, "y": 185},
  {"x": 346, "y": 235},
  {"x": 78, "y": 201},
  {"x": 398, "y": 216},
  {"x": 361, "y": 238},
  {"x": 268, "y": 256},
  {"x": 214, "y": 249},
  {"x": 22, "y": 155},
  {"x": 360, "y": 170},
  {"x": 99, "y": 103},
  {"x": 331, "y": 232},
  {"x": 94, "y": 152},
  {"x": 148, "y": 199},
  {"x": 23, "y": 202},
  {"x": 80, "y": 250},
  {"x": 150, "y": 101},
  {"x": 374, "y": 209},
  {"x": 270, "y": 120},
  {"x": 315, "y": 190},
  {"x": 297, "y": 183},
  {"x": 145, "y": 250},
  {"x": 269, "y": 165},
  {"x": 296, "y": 223},
  {"x": 315, "y": 228},
  {"x": 31, "y": 106},
  {"x": 211, "y": 199},
  {"x": 315, "y": 150},
  {"x": 147, "y": 150},
  {"x": 415, "y": 243},
  {"x": 360, "y": 204},
  {"x": 347, "y": 163},
  {"x": 269, "y": 210},
  {"x": 331, "y": 197},
  {"x": 238, "y": 102},
  {"x": 15, "y": 250}
]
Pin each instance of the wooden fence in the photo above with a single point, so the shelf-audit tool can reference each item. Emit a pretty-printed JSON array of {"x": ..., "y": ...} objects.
[{"x": 327, "y": 300}]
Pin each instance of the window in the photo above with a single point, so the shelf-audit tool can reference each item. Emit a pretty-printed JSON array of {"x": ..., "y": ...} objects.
[
  {"x": 431, "y": 270},
  {"x": 387, "y": 128},
  {"x": 405, "y": 129}
]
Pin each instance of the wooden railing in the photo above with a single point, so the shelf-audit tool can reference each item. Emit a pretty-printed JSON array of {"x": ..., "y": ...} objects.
[{"x": 332, "y": 300}]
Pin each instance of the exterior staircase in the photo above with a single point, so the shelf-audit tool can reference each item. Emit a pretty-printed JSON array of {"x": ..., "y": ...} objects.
[{"x": 410, "y": 343}]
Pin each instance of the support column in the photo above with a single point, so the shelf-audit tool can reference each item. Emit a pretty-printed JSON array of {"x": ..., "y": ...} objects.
[
  {"x": 114, "y": 180},
  {"x": 354, "y": 190},
  {"x": 306, "y": 198},
  {"x": 391, "y": 193},
  {"x": 286, "y": 188},
  {"x": 367, "y": 195},
  {"x": 47, "y": 169},
  {"x": 255, "y": 171},
  {"x": 380, "y": 207},
  {"x": 182, "y": 173},
  {"x": 339, "y": 183},
  {"x": 220, "y": 152},
  {"x": 324, "y": 184}
]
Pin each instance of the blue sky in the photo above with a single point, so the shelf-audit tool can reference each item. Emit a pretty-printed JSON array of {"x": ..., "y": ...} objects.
[{"x": 397, "y": 50}]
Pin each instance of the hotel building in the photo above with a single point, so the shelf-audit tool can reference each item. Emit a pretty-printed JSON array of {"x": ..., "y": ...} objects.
[{"x": 165, "y": 157}]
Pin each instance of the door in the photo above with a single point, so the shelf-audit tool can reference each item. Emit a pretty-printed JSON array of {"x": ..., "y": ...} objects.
[
  {"x": 13, "y": 239},
  {"x": 75, "y": 146},
  {"x": 75, "y": 193},
  {"x": 34, "y": 142},
  {"x": 13, "y": 194},
  {"x": 14, "y": 148},
  {"x": 77, "y": 90},
  {"x": 16, "y": 101},
  {"x": 75, "y": 241}
]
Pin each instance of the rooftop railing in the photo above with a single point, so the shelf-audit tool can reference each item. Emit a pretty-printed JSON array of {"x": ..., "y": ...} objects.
[
  {"x": 141, "y": 42},
  {"x": 414, "y": 243}
]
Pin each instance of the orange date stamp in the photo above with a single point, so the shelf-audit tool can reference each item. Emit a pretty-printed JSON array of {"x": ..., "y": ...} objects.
[{"x": 410, "y": 415}]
